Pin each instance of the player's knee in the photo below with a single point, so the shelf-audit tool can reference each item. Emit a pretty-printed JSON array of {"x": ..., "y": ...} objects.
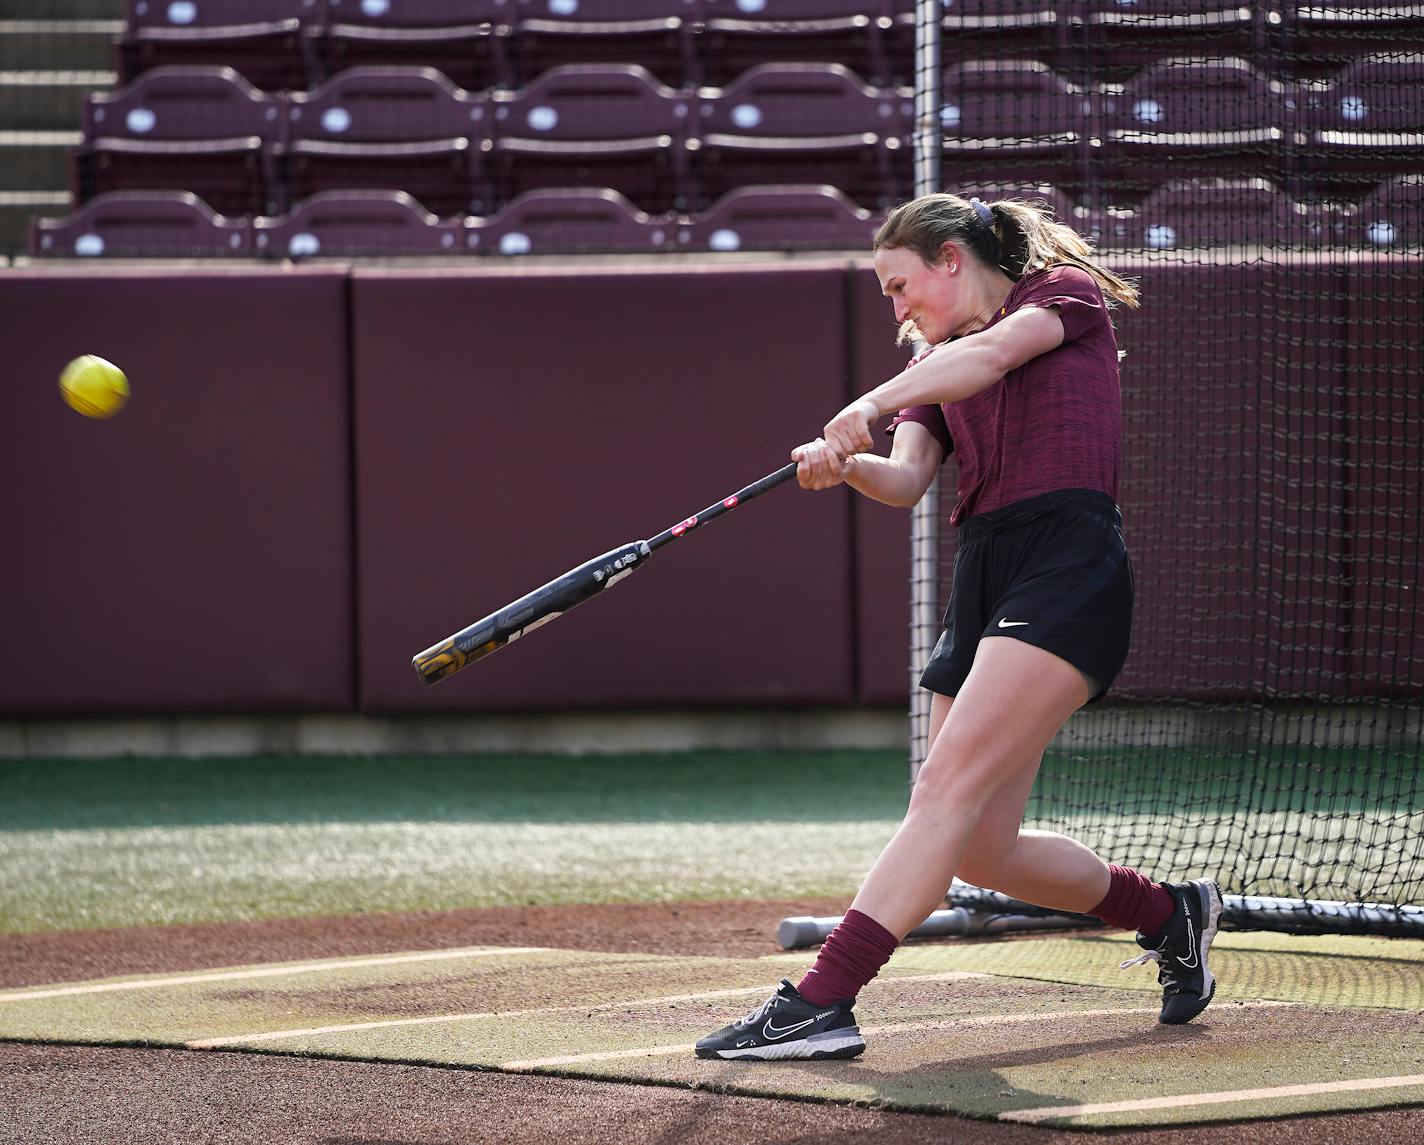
[
  {"x": 959, "y": 772},
  {"x": 966, "y": 791}
]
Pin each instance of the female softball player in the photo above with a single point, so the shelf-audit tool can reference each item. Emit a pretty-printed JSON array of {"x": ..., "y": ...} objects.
[{"x": 1021, "y": 384}]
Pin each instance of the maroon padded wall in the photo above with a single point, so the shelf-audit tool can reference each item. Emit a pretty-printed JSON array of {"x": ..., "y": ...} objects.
[
  {"x": 1225, "y": 478},
  {"x": 882, "y": 539},
  {"x": 193, "y": 553},
  {"x": 1384, "y": 505},
  {"x": 196, "y": 553},
  {"x": 514, "y": 423}
]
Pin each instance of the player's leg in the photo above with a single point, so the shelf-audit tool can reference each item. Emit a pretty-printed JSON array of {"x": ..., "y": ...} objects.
[
  {"x": 987, "y": 750},
  {"x": 1176, "y": 922},
  {"x": 1015, "y": 700},
  {"x": 1038, "y": 867}
]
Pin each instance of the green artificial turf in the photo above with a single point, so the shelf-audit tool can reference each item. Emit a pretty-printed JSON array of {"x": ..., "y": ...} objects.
[
  {"x": 88, "y": 843},
  {"x": 91, "y": 843}
]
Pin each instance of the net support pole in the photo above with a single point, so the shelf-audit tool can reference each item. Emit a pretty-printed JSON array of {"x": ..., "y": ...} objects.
[
  {"x": 980, "y": 912},
  {"x": 1243, "y": 912},
  {"x": 928, "y": 143},
  {"x": 803, "y": 930},
  {"x": 924, "y": 518}
]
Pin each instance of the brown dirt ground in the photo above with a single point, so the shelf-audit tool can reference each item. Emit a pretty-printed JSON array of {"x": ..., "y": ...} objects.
[{"x": 64, "y": 1095}]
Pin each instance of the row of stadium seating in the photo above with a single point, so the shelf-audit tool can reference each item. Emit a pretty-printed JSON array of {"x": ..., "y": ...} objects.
[
  {"x": 1187, "y": 215},
  {"x": 246, "y": 152},
  {"x": 296, "y": 44}
]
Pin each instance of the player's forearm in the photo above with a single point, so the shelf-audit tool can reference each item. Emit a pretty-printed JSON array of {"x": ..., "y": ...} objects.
[
  {"x": 952, "y": 373},
  {"x": 885, "y": 479}
]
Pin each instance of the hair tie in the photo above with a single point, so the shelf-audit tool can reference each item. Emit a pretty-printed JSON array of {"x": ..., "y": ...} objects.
[{"x": 986, "y": 216}]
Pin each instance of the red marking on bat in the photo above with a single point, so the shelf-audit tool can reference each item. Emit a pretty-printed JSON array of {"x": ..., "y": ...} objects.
[
  {"x": 678, "y": 530},
  {"x": 731, "y": 502},
  {"x": 687, "y": 524}
]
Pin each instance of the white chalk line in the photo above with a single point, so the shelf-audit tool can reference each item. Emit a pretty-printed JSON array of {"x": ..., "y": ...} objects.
[
  {"x": 318, "y": 1031},
  {"x": 945, "y": 1024},
  {"x": 268, "y": 972},
  {"x": 391, "y": 1023},
  {"x": 1188, "y": 1100}
]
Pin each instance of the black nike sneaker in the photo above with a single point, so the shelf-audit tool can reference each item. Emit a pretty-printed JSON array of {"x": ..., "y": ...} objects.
[
  {"x": 787, "y": 1026},
  {"x": 1180, "y": 951}
]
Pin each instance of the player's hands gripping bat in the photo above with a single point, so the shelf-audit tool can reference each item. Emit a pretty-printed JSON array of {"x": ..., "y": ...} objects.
[{"x": 574, "y": 587}]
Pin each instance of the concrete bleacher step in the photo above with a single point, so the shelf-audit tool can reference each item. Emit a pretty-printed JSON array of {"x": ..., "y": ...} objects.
[
  {"x": 48, "y": 100},
  {"x": 17, "y": 208},
  {"x": 35, "y": 160},
  {"x": 58, "y": 45}
]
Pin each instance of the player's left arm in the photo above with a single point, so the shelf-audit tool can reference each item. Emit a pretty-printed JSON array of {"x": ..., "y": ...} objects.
[{"x": 955, "y": 371}]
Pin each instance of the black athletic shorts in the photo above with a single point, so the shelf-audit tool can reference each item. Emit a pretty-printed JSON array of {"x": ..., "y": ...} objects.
[{"x": 1051, "y": 571}]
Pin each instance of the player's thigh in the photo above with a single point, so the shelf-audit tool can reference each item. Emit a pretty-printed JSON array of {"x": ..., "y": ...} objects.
[
  {"x": 939, "y": 710},
  {"x": 991, "y": 739}
]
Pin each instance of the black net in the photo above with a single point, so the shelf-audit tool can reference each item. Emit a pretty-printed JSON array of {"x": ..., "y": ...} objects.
[
  {"x": 1259, "y": 173},
  {"x": 1260, "y": 169}
]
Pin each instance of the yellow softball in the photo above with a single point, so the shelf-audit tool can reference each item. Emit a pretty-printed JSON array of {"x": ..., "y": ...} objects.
[{"x": 94, "y": 387}]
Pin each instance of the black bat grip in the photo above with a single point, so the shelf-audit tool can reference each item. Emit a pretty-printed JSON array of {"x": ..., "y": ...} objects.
[{"x": 726, "y": 505}]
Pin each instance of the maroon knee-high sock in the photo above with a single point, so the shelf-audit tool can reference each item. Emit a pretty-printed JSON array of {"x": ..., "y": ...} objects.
[
  {"x": 850, "y": 957},
  {"x": 1135, "y": 902}
]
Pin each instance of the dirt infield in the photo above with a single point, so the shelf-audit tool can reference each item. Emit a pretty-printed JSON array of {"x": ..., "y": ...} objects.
[{"x": 61, "y": 1094}]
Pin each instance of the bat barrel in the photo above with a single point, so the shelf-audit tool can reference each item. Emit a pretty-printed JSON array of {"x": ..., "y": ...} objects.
[
  {"x": 528, "y": 612},
  {"x": 574, "y": 587}
]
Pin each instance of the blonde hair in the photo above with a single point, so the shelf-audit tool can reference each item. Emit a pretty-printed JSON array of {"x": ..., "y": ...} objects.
[{"x": 1020, "y": 236}]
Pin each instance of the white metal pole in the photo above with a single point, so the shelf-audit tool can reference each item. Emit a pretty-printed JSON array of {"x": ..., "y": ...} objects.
[{"x": 924, "y": 519}]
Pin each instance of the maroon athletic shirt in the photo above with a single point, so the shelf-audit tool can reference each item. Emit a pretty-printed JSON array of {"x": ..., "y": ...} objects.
[{"x": 1054, "y": 423}]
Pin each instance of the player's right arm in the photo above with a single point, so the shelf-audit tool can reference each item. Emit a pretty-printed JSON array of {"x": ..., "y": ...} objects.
[{"x": 900, "y": 479}]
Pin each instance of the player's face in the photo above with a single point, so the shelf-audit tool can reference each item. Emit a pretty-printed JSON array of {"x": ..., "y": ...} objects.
[{"x": 928, "y": 296}]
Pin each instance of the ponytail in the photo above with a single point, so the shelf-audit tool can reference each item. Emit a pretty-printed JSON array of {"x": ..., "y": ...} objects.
[{"x": 1018, "y": 236}]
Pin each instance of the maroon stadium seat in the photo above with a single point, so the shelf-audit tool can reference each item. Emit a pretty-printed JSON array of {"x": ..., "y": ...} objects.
[
  {"x": 1210, "y": 213},
  {"x": 804, "y": 123},
  {"x": 1114, "y": 38},
  {"x": 1065, "y": 209},
  {"x": 221, "y": 13},
  {"x": 140, "y": 224},
  {"x": 473, "y": 56},
  {"x": 999, "y": 30},
  {"x": 659, "y": 35},
  {"x": 1392, "y": 217},
  {"x": 858, "y": 34},
  {"x": 1013, "y": 121},
  {"x": 804, "y": 100},
  {"x": 1365, "y": 126},
  {"x": 571, "y": 220},
  {"x": 594, "y": 125},
  {"x": 1196, "y": 118},
  {"x": 391, "y": 128},
  {"x": 199, "y": 129},
  {"x": 345, "y": 224},
  {"x": 419, "y": 13},
  {"x": 272, "y": 54},
  {"x": 1318, "y": 39},
  {"x": 791, "y": 217}
]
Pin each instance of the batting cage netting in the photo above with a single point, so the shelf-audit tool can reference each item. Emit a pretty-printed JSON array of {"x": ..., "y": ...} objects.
[{"x": 1257, "y": 169}]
